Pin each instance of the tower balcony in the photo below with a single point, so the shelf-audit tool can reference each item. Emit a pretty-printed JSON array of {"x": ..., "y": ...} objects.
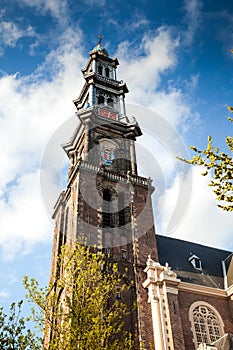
[
  {"x": 91, "y": 77},
  {"x": 100, "y": 170},
  {"x": 109, "y": 80},
  {"x": 102, "y": 78}
]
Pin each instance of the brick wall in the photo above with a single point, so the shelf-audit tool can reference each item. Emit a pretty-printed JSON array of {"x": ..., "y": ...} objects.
[
  {"x": 176, "y": 322},
  {"x": 186, "y": 299}
]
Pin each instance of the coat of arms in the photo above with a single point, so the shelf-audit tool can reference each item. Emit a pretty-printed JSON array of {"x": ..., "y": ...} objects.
[{"x": 107, "y": 152}]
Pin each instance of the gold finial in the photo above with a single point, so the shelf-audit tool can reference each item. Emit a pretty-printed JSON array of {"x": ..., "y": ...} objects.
[{"x": 100, "y": 38}]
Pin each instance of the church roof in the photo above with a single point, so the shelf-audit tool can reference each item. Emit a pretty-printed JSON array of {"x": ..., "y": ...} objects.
[{"x": 177, "y": 254}]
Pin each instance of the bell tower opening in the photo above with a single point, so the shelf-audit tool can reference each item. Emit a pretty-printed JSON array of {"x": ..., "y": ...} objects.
[
  {"x": 107, "y": 72},
  {"x": 100, "y": 70},
  {"x": 100, "y": 99},
  {"x": 110, "y": 102}
]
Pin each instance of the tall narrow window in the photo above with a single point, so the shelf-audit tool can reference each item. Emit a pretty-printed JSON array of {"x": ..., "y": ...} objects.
[
  {"x": 110, "y": 102},
  {"x": 107, "y": 72},
  {"x": 100, "y": 100},
  {"x": 123, "y": 254},
  {"x": 66, "y": 226},
  {"x": 61, "y": 233},
  {"x": 121, "y": 209},
  {"x": 106, "y": 208},
  {"x": 207, "y": 325},
  {"x": 100, "y": 70}
]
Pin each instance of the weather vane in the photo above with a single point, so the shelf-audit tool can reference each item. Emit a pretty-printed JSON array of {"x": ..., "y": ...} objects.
[{"x": 100, "y": 38}]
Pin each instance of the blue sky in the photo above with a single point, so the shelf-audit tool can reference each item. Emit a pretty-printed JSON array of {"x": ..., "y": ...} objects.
[{"x": 175, "y": 58}]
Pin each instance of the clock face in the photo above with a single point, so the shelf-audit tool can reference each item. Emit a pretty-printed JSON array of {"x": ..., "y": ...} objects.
[{"x": 107, "y": 150}]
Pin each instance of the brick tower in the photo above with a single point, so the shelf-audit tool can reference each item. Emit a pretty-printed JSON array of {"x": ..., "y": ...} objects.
[
  {"x": 183, "y": 291},
  {"x": 106, "y": 203}
]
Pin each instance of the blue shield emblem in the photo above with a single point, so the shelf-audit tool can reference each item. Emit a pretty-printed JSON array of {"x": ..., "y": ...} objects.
[{"x": 107, "y": 154}]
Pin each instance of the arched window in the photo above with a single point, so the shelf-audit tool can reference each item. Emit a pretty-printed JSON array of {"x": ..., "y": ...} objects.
[
  {"x": 100, "y": 70},
  {"x": 110, "y": 102},
  {"x": 107, "y": 72},
  {"x": 207, "y": 325},
  {"x": 100, "y": 99}
]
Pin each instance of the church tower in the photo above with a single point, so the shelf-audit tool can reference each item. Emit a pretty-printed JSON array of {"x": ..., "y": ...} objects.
[
  {"x": 183, "y": 291},
  {"x": 106, "y": 203}
]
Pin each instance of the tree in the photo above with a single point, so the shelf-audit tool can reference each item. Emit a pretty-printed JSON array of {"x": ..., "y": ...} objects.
[
  {"x": 13, "y": 332},
  {"x": 220, "y": 166},
  {"x": 80, "y": 308}
]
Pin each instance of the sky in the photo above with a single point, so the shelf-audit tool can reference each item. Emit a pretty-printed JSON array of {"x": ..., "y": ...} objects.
[{"x": 175, "y": 58}]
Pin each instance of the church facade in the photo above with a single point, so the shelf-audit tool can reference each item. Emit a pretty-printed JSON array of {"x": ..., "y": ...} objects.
[{"x": 183, "y": 291}]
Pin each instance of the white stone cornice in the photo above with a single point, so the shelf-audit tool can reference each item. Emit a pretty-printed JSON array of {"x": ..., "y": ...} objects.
[
  {"x": 172, "y": 290},
  {"x": 148, "y": 281},
  {"x": 199, "y": 289},
  {"x": 158, "y": 275},
  {"x": 230, "y": 291}
]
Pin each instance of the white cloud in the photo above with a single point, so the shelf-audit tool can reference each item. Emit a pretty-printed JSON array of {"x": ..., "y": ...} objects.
[
  {"x": 135, "y": 21},
  {"x": 174, "y": 106},
  {"x": 192, "y": 19},
  {"x": 31, "y": 109},
  {"x": 142, "y": 67},
  {"x": 203, "y": 221},
  {"x": 193, "y": 217},
  {"x": 57, "y": 8},
  {"x": 11, "y": 33},
  {"x": 24, "y": 221},
  {"x": 4, "y": 293}
]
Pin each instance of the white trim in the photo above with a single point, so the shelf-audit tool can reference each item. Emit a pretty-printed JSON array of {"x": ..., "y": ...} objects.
[
  {"x": 230, "y": 290},
  {"x": 193, "y": 259},
  {"x": 209, "y": 306},
  {"x": 172, "y": 290},
  {"x": 199, "y": 289},
  {"x": 224, "y": 274}
]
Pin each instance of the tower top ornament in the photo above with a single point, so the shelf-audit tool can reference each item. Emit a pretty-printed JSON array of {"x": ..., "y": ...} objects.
[
  {"x": 99, "y": 47},
  {"x": 100, "y": 38}
]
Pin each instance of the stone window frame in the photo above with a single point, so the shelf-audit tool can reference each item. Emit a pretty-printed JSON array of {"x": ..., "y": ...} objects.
[{"x": 211, "y": 312}]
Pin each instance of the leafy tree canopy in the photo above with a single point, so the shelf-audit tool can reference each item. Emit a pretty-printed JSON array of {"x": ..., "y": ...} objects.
[
  {"x": 79, "y": 309},
  {"x": 220, "y": 166},
  {"x": 14, "y": 334}
]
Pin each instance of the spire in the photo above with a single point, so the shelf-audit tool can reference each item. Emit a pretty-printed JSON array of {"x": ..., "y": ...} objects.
[
  {"x": 99, "y": 47},
  {"x": 101, "y": 88}
]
